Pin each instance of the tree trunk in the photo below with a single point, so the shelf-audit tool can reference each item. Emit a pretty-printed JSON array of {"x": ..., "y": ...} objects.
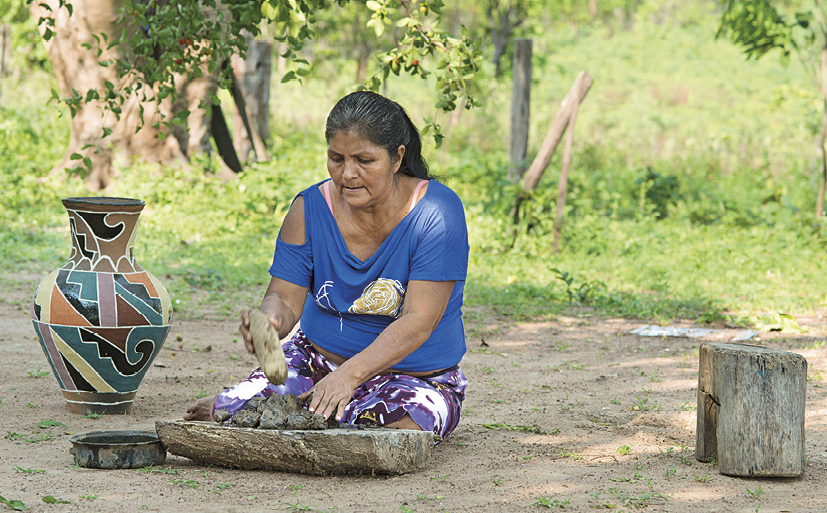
[
  {"x": 500, "y": 42},
  {"x": 520, "y": 109},
  {"x": 820, "y": 197},
  {"x": 5, "y": 50},
  {"x": 253, "y": 77},
  {"x": 77, "y": 68}
]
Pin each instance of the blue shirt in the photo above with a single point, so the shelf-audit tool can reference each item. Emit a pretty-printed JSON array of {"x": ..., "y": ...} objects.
[{"x": 351, "y": 302}]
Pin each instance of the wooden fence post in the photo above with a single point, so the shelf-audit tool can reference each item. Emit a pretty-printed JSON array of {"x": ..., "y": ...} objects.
[
  {"x": 562, "y": 186},
  {"x": 520, "y": 97},
  {"x": 558, "y": 127}
]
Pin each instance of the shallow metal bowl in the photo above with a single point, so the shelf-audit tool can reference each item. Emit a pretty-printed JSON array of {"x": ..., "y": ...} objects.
[{"x": 117, "y": 449}]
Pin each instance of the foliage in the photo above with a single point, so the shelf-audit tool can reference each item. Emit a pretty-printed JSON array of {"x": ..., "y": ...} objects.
[
  {"x": 27, "y": 52},
  {"x": 161, "y": 41},
  {"x": 759, "y": 28}
]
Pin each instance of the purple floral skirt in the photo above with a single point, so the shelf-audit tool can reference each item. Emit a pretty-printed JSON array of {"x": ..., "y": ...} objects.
[{"x": 433, "y": 402}]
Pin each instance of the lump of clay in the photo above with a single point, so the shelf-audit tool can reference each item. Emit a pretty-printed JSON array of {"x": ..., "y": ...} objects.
[
  {"x": 275, "y": 403},
  {"x": 319, "y": 422},
  {"x": 292, "y": 402},
  {"x": 271, "y": 419},
  {"x": 254, "y": 403},
  {"x": 297, "y": 420},
  {"x": 221, "y": 415},
  {"x": 277, "y": 412},
  {"x": 246, "y": 418},
  {"x": 268, "y": 350}
]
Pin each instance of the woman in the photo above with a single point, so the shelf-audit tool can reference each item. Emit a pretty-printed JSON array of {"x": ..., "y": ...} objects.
[{"x": 373, "y": 264}]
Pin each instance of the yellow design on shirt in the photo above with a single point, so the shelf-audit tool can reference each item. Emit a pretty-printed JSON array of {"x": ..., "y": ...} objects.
[{"x": 382, "y": 297}]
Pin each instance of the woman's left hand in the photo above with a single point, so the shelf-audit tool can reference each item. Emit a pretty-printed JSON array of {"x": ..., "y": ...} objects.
[{"x": 331, "y": 394}]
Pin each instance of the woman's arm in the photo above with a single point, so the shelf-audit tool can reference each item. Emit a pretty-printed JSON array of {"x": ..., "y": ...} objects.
[
  {"x": 283, "y": 301},
  {"x": 425, "y": 303}
]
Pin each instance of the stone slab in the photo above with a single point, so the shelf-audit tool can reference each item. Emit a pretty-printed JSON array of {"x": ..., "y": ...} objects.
[{"x": 324, "y": 452}]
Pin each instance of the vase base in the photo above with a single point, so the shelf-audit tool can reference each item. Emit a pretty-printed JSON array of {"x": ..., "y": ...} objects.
[{"x": 98, "y": 403}]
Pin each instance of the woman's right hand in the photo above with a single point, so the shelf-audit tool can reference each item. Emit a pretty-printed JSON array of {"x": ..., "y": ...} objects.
[{"x": 244, "y": 328}]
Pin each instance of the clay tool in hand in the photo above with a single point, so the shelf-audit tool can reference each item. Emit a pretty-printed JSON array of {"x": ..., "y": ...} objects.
[{"x": 268, "y": 350}]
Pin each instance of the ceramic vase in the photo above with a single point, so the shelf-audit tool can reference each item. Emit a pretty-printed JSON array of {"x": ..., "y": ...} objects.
[{"x": 101, "y": 319}]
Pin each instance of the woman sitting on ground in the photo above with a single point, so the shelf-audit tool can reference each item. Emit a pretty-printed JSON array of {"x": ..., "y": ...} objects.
[{"x": 371, "y": 263}]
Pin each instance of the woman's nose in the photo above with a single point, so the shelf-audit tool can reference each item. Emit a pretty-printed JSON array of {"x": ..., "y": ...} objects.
[{"x": 349, "y": 169}]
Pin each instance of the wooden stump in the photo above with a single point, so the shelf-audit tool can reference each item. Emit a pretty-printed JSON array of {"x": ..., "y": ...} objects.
[{"x": 751, "y": 410}]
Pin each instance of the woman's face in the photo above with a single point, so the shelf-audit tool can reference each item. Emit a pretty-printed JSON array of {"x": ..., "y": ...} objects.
[{"x": 361, "y": 171}]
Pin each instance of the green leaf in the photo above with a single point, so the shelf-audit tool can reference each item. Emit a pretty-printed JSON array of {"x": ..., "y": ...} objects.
[
  {"x": 290, "y": 75},
  {"x": 88, "y": 163},
  {"x": 49, "y": 423},
  {"x": 76, "y": 156},
  {"x": 373, "y": 5},
  {"x": 15, "y": 505},
  {"x": 379, "y": 28},
  {"x": 48, "y": 499}
]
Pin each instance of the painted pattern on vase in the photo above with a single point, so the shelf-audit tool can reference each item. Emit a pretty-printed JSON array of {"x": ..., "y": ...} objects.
[{"x": 101, "y": 319}]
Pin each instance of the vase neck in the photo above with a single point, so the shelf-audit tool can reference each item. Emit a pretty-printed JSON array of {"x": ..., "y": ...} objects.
[{"x": 103, "y": 235}]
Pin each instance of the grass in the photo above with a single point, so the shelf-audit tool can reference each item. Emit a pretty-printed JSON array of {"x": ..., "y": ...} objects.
[
  {"x": 514, "y": 427},
  {"x": 186, "y": 482},
  {"x": 29, "y": 471},
  {"x": 551, "y": 502}
]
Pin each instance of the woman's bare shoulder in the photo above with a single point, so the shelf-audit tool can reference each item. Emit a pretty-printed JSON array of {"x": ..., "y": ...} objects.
[{"x": 292, "y": 229}]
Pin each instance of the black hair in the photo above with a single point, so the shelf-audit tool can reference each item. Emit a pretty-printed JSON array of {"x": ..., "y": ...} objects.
[{"x": 384, "y": 123}]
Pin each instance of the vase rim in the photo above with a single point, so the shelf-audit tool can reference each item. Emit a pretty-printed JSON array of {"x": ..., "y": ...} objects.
[{"x": 102, "y": 200}]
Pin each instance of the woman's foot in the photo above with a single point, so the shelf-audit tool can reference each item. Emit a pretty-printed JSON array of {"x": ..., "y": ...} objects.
[
  {"x": 201, "y": 409},
  {"x": 406, "y": 422}
]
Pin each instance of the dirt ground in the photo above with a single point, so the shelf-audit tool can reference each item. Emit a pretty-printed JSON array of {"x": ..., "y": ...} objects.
[{"x": 566, "y": 388}]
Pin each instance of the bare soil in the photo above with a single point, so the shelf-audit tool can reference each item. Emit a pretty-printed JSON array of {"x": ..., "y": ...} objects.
[{"x": 549, "y": 414}]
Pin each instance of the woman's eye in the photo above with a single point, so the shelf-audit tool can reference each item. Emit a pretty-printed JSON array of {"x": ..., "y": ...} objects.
[{"x": 365, "y": 161}]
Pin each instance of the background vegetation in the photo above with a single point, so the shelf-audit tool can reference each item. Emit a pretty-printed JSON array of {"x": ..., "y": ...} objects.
[{"x": 691, "y": 193}]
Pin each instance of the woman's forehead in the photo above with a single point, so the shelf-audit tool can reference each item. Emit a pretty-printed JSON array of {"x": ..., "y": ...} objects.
[{"x": 351, "y": 142}]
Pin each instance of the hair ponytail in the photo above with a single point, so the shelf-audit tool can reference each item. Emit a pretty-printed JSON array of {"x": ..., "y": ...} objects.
[
  {"x": 382, "y": 122},
  {"x": 413, "y": 163}
]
